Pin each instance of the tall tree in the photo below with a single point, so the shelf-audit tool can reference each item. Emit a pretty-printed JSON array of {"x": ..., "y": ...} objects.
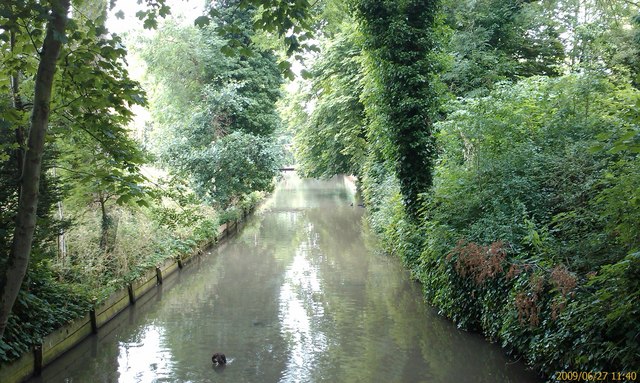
[
  {"x": 91, "y": 67},
  {"x": 16, "y": 267},
  {"x": 496, "y": 40},
  {"x": 223, "y": 94},
  {"x": 400, "y": 39}
]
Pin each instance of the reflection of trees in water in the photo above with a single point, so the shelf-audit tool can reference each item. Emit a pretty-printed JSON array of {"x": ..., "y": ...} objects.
[
  {"x": 364, "y": 321},
  {"x": 381, "y": 328},
  {"x": 238, "y": 314}
]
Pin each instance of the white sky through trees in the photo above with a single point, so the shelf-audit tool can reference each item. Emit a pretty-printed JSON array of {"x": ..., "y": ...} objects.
[{"x": 186, "y": 10}]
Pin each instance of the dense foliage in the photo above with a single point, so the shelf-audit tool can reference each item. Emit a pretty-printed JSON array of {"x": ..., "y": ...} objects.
[
  {"x": 215, "y": 115},
  {"x": 105, "y": 215},
  {"x": 497, "y": 40},
  {"x": 496, "y": 144},
  {"x": 332, "y": 139},
  {"x": 523, "y": 219},
  {"x": 529, "y": 115}
]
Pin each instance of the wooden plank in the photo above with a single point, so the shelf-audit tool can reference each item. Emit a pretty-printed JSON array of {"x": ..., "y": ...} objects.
[
  {"x": 18, "y": 370},
  {"x": 145, "y": 283},
  {"x": 222, "y": 230},
  {"x": 65, "y": 331},
  {"x": 169, "y": 267},
  {"x": 112, "y": 307},
  {"x": 63, "y": 339},
  {"x": 188, "y": 260}
]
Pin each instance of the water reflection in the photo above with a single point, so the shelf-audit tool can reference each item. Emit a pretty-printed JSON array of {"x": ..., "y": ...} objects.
[
  {"x": 300, "y": 306},
  {"x": 145, "y": 359},
  {"x": 300, "y": 296}
]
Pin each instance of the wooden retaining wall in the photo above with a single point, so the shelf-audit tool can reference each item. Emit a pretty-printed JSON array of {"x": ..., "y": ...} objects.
[{"x": 66, "y": 337}]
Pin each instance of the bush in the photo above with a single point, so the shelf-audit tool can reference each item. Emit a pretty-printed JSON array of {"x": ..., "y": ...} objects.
[
  {"x": 530, "y": 232},
  {"x": 43, "y": 305}
]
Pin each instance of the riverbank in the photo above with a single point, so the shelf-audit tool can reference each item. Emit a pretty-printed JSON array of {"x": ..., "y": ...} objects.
[
  {"x": 301, "y": 294},
  {"x": 142, "y": 279},
  {"x": 513, "y": 288}
]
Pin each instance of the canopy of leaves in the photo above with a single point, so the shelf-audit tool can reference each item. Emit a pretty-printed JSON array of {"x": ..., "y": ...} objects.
[
  {"x": 523, "y": 156},
  {"x": 494, "y": 40},
  {"x": 331, "y": 138},
  {"x": 235, "y": 165},
  {"x": 202, "y": 97}
]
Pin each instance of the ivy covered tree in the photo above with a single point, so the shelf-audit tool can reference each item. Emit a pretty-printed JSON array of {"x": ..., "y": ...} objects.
[{"x": 400, "y": 41}]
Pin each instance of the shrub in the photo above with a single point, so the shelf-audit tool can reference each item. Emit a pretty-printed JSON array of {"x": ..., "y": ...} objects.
[{"x": 530, "y": 232}]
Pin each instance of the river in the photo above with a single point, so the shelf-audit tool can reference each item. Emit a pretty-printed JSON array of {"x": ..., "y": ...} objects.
[{"x": 300, "y": 294}]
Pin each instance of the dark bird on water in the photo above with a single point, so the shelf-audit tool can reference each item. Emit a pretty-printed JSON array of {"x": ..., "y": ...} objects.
[{"x": 219, "y": 359}]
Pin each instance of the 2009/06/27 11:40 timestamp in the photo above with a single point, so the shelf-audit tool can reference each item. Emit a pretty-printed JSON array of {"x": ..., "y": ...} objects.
[{"x": 602, "y": 376}]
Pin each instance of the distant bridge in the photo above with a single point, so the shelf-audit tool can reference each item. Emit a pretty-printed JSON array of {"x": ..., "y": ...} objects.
[{"x": 288, "y": 169}]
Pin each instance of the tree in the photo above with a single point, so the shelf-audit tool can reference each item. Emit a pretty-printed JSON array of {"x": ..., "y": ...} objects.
[
  {"x": 18, "y": 261},
  {"x": 93, "y": 175},
  {"x": 494, "y": 40},
  {"x": 92, "y": 66},
  {"x": 400, "y": 40},
  {"x": 289, "y": 20},
  {"x": 331, "y": 139},
  {"x": 224, "y": 95},
  {"x": 236, "y": 165}
]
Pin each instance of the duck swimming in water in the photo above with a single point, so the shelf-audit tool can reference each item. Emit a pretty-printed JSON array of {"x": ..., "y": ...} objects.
[{"x": 219, "y": 359}]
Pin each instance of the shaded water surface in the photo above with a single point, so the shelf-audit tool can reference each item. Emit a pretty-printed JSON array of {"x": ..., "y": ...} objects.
[{"x": 299, "y": 295}]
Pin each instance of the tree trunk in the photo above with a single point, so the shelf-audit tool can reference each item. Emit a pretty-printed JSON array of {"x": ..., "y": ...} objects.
[
  {"x": 106, "y": 223},
  {"x": 18, "y": 260},
  {"x": 17, "y": 105},
  {"x": 62, "y": 243}
]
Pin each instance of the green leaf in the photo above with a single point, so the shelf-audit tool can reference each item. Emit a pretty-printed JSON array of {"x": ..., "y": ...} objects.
[
  {"x": 119, "y": 15},
  {"x": 306, "y": 74},
  {"x": 227, "y": 51},
  {"x": 150, "y": 23},
  {"x": 284, "y": 65},
  {"x": 202, "y": 21},
  {"x": 246, "y": 52},
  {"x": 618, "y": 148},
  {"x": 596, "y": 148},
  {"x": 61, "y": 37},
  {"x": 164, "y": 11},
  {"x": 289, "y": 75},
  {"x": 629, "y": 135}
]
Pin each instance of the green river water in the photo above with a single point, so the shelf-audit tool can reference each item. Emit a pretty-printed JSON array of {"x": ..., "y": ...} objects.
[{"x": 300, "y": 294}]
